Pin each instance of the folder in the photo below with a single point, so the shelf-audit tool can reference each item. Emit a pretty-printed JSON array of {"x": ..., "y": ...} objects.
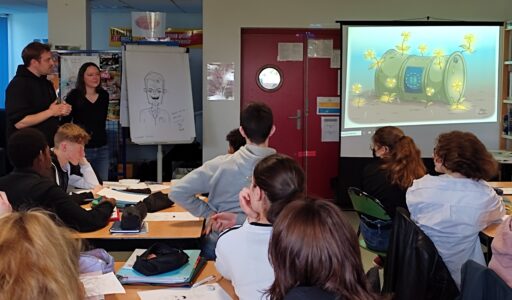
[{"x": 183, "y": 276}]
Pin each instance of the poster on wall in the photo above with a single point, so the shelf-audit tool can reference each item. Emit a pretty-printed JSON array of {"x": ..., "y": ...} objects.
[
  {"x": 190, "y": 38},
  {"x": 330, "y": 129},
  {"x": 328, "y": 106},
  {"x": 221, "y": 79},
  {"x": 110, "y": 66},
  {"x": 69, "y": 66}
]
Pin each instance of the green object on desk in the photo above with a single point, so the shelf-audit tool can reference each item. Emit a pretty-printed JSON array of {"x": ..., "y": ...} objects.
[{"x": 96, "y": 201}]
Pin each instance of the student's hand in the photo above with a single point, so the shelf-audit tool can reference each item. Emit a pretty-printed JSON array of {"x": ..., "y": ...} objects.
[
  {"x": 208, "y": 225},
  {"x": 223, "y": 221},
  {"x": 96, "y": 190},
  {"x": 83, "y": 161},
  {"x": 245, "y": 204},
  {"x": 5, "y": 206},
  {"x": 110, "y": 200},
  {"x": 59, "y": 109}
]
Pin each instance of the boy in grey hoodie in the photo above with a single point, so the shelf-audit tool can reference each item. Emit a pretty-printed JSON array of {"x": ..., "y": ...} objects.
[{"x": 226, "y": 175}]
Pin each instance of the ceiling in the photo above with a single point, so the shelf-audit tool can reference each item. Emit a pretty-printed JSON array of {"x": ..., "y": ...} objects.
[{"x": 168, "y": 6}]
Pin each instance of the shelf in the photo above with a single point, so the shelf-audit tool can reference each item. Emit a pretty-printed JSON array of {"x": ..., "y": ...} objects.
[
  {"x": 507, "y": 101},
  {"x": 508, "y": 62},
  {"x": 507, "y": 136}
]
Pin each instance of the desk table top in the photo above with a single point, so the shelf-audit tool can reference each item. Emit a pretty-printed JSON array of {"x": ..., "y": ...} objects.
[
  {"x": 156, "y": 229},
  {"x": 131, "y": 290}
]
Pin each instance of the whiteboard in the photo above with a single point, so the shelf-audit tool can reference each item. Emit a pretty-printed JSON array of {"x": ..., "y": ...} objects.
[{"x": 159, "y": 92}]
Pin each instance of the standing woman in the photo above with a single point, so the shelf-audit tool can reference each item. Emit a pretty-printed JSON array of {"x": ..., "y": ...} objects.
[
  {"x": 453, "y": 208},
  {"x": 397, "y": 163},
  {"x": 90, "y": 105}
]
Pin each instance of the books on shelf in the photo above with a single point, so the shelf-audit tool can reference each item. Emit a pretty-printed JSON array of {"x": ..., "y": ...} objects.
[{"x": 180, "y": 277}]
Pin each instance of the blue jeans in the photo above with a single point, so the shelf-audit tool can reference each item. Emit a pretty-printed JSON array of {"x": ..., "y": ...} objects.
[
  {"x": 208, "y": 244},
  {"x": 376, "y": 233},
  {"x": 98, "y": 157}
]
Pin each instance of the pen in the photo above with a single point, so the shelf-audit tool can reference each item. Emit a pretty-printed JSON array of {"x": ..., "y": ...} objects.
[{"x": 203, "y": 281}]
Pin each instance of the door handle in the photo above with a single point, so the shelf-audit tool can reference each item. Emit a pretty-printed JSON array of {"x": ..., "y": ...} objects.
[{"x": 297, "y": 117}]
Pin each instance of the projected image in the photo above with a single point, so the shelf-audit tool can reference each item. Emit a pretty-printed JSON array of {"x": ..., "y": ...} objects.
[{"x": 421, "y": 75}]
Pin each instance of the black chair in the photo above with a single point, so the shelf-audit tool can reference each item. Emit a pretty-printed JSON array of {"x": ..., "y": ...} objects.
[
  {"x": 482, "y": 283},
  {"x": 413, "y": 268}
]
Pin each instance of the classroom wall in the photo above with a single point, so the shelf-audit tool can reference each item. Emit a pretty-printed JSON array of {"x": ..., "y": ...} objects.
[
  {"x": 24, "y": 28},
  {"x": 222, "y": 36}
]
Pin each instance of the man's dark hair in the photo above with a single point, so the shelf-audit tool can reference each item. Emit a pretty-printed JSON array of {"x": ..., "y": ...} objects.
[
  {"x": 24, "y": 146},
  {"x": 33, "y": 51},
  {"x": 257, "y": 120},
  {"x": 235, "y": 139}
]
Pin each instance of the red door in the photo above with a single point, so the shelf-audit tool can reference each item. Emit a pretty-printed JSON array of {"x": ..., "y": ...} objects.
[{"x": 298, "y": 131}]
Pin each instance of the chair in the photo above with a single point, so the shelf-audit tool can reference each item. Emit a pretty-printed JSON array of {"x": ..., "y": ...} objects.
[
  {"x": 413, "y": 268},
  {"x": 367, "y": 206},
  {"x": 480, "y": 283}
]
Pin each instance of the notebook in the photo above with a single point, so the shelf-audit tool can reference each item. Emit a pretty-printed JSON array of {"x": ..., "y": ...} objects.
[{"x": 180, "y": 277}]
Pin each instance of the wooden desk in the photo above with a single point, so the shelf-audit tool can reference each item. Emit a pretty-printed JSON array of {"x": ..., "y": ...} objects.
[
  {"x": 131, "y": 290},
  {"x": 157, "y": 229}
]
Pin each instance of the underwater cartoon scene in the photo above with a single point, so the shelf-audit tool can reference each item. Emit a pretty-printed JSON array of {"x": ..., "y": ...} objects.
[{"x": 417, "y": 75}]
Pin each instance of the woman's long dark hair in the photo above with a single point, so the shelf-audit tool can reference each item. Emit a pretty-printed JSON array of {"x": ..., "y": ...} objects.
[
  {"x": 281, "y": 178},
  {"x": 313, "y": 245},
  {"x": 80, "y": 83}
]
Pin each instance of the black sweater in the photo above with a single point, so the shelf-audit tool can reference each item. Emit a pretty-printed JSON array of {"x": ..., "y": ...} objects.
[
  {"x": 27, "y": 189},
  {"x": 28, "y": 94},
  {"x": 376, "y": 184},
  {"x": 90, "y": 116}
]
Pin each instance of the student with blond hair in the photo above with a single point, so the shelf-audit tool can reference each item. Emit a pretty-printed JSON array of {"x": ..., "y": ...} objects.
[
  {"x": 71, "y": 168},
  {"x": 39, "y": 259}
]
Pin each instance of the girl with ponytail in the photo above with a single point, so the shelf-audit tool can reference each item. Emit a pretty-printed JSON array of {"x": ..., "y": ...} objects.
[
  {"x": 242, "y": 251},
  {"x": 398, "y": 162}
]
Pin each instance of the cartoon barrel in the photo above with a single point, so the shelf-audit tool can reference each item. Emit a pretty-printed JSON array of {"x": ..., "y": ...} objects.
[{"x": 421, "y": 78}]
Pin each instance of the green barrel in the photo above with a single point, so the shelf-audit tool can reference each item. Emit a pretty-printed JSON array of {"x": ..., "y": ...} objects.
[{"x": 421, "y": 78}]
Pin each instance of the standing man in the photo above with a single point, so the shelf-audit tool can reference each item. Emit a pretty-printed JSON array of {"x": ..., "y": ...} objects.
[{"x": 30, "y": 99}]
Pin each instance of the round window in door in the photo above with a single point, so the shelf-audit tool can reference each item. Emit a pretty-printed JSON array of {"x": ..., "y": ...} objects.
[{"x": 269, "y": 78}]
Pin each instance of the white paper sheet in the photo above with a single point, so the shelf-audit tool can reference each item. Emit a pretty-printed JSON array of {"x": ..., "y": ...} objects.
[
  {"x": 330, "y": 129},
  {"x": 157, "y": 187},
  {"x": 506, "y": 191},
  {"x": 122, "y": 196},
  {"x": 101, "y": 284},
  {"x": 207, "y": 292},
  {"x": 171, "y": 216}
]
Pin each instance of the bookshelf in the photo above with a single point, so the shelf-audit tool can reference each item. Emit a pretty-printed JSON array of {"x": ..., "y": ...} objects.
[{"x": 506, "y": 89}]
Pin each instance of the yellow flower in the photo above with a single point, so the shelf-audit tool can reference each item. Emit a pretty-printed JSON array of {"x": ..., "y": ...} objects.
[
  {"x": 457, "y": 86},
  {"x": 377, "y": 63},
  {"x": 422, "y": 48},
  {"x": 358, "y": 101},
  {"x": 387, "y": 97},
  {"x": 391, "y": 82},
  {"x": 356, "y": 88},
  {"x": 430, "y": 91},
  {"x": 469, "y": 38},
  {"x": 458, "y": 106},
  {"x": 406, "y": 35},
  {"x": 438, "y": 52},
  {"x": 369, "y": 54}
]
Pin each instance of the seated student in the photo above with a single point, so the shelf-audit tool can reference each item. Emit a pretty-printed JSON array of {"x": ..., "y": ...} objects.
[
  {"x": 277, "y": 180},
  {"x": 454, "y": 207},
  {"x": 224, "y": 176},
  {"x": 39, "y": 259},
  {"x": 30, "y": 184},
  {"x": 70, "y": 140},
  {"x": 397, "y": 163},
  {"x": 501, "y": 261},
  {"x": 315, "y": 254},
  {"x": 235, "y": 140}
]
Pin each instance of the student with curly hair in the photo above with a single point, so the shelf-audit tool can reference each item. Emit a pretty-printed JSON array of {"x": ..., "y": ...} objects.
[{"x": 454, "y": 207}]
